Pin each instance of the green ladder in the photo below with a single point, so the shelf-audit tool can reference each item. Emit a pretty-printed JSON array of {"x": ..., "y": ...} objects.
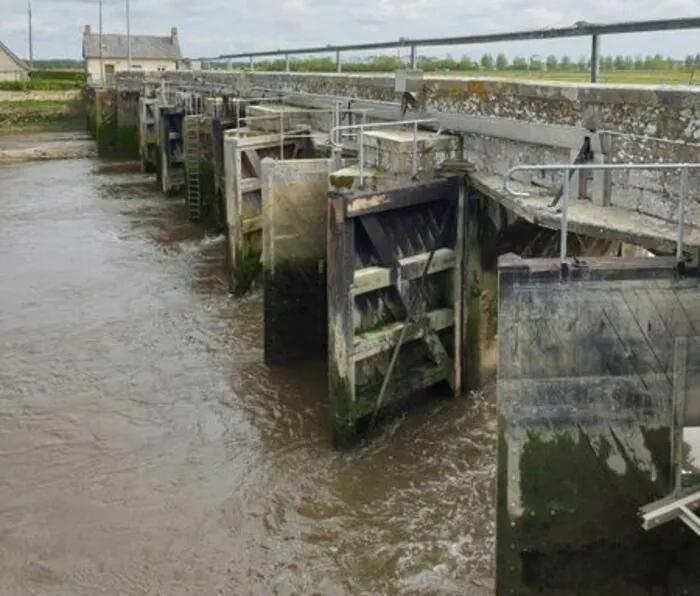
[{"x": 192, "y": 158}]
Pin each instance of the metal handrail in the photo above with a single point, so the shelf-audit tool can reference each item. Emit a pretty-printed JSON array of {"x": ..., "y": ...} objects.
[
  {"x": 578, "y": 29},
  {"x": 568, "y": 168},
  {"x": 335, "y": 135}
]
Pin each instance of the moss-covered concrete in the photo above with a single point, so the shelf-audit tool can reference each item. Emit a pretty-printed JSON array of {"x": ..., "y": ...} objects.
[
  {"x": 248, "y": 268},
  {"x": 296, "y": 326}
]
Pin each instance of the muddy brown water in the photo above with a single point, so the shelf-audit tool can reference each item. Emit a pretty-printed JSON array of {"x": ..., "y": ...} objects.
[{"x": 147, "y": 449}]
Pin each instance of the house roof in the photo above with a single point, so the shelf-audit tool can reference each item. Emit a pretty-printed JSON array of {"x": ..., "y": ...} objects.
[
  {"x": 16, "y": 59},
  {"x": 143, "y": 47}
]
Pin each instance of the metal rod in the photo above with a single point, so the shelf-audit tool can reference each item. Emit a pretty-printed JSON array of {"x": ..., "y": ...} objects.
[
  {"x": 595, "y": 58},
  {"x": 578, "y": 30},
  {"x": 414, "y": 151},
  {"x": 373, "y": 125},
  {"x": 414, "y": 57},
  {"x": 564, "y": 218},
  {"x": 681, "y": 213},
  {"x": 603, "y": 166},
  {"x": 338, "y": 63},
  {"x": 361, "y": 152},
  {"x": 281, "y": 135}
]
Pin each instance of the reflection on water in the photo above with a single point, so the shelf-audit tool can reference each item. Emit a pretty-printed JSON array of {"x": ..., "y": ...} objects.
[{"x": 146, "y": 448}]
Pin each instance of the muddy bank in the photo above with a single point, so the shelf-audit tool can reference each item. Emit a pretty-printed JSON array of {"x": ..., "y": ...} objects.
[{"x": 45, "y": 146}]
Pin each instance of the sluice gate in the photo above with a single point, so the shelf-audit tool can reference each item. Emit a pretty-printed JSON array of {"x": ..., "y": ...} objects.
[{"x": 366, "y": 245}]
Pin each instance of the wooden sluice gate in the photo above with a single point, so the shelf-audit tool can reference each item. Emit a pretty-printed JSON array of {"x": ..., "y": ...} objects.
[
  {"x": 598, "y": 377},
  {"x": 148, "y": 133}
]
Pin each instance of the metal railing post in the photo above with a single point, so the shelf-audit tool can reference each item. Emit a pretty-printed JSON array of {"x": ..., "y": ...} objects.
[
  {"x": 414, "y": 58},
  {"x": 564, "y": 218},
  {"x": 338, "y": 62},
  {"x": 414, "y": 151},
  {"x": 595, "y": 58},
  {"x": 681, "y": 213}
]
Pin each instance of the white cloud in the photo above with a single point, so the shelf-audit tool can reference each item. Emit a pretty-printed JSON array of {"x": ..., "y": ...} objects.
[{"x": 212, "y": 27}]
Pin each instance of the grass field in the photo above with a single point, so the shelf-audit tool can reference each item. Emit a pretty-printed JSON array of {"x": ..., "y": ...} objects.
[{"x": 663, "y": 77}]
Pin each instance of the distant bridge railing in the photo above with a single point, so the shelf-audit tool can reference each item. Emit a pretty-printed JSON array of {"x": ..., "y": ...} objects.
[{"x": 579, "y": 29}]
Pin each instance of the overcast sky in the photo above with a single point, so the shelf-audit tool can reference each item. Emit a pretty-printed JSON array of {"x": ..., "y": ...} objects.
[{"x": 213, "y": 27}]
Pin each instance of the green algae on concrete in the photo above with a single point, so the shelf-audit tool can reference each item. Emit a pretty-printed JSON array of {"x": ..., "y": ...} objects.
[
  {"x": 295, "y": 311},
  {"x": 247, "y": 269},
  {"x": 585, "y": 417},
  {"x": 127, "y": 145}
]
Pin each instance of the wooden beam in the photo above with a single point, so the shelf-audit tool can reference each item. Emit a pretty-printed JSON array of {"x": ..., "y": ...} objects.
[
  {"x": 437, "y": 189},
  {"x": 371, "y": 343},
  {"x": 375, "y": 278},
  {"x": 253, "y": 160}
]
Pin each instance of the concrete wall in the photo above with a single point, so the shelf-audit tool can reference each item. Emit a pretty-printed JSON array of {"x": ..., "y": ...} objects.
[
  {"x": 12, "y": 75},
  {"x": 585, "y": 402},
  {"x": 511, "y": 123},
  {"x": 93, "y": 65}
]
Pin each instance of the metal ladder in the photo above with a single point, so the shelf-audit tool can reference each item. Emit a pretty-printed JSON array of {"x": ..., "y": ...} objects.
[{"x": 192, "y": 159}]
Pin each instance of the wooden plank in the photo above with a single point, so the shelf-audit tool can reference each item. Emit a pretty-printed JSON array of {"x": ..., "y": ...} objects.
[
  {"x": 370, "y": 279},
  {"x": 254, "y": 161},
  {"x": 371, "y": 343},
  {"x": 250, "y": 185},
  {"x": 438, "y": 189},
  {"x": 341, "y": 368}
]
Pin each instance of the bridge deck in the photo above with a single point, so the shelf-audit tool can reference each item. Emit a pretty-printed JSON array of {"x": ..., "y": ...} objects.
[{"x": 587, "y": 218}]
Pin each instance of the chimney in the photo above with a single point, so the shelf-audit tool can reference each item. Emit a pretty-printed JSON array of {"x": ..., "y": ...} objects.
[
  {"x": 173, "y": 34},
  {"x": 88, "y": 30}
]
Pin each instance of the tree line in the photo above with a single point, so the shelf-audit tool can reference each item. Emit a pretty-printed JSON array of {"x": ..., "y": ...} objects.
[{"x": 487, "y": 62}]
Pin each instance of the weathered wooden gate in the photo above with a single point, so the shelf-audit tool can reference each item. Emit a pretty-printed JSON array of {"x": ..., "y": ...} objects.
[
  {"x": 396, "y": 283},
  {"x": 172, "y": 161},
  {"x": 219, "y": 126},
  {"x": 148, "y": 134},
  {"x": 294, "y": 194},
  {"x": 242, "y": 164}
]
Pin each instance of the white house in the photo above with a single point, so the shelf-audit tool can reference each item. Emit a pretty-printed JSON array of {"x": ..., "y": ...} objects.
[
  {"x": 11, "y": 67},
  {"x": 148, "y": 53}
]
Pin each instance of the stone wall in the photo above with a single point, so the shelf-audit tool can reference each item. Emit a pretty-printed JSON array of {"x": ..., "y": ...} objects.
[{"x": 538, "y": 122}]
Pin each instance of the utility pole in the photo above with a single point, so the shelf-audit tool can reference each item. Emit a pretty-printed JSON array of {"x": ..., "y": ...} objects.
[
  {"x": 102, "y": 68},
  {"x": 128, "y": 35},
  {"x": 31, "y": 41}
]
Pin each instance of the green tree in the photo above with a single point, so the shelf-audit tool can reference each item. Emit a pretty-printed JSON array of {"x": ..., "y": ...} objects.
[
  {"x": 552, "y": 62},
  {"x": 487, "y": 62},
  {"x": 519, "y": 63},
  {"x": 565, "y": 63},
  {"x": 501, "y": 62}
]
